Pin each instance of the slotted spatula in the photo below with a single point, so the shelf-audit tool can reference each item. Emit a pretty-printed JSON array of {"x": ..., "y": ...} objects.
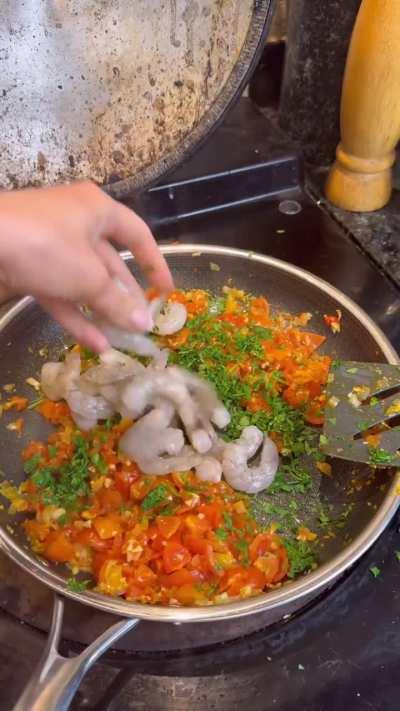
[{"x": 361, "y": 398}]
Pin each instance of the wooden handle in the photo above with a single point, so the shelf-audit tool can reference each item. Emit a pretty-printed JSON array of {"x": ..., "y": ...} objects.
[{"x": 360, "y": 179}]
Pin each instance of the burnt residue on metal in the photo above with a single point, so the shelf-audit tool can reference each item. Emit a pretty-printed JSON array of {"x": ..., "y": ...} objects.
[{"x": 117, "y": 91}]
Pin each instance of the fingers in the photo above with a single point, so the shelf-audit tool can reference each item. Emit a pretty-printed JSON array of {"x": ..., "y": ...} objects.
[
  {"x": 117, "y": 268},
  {"x": 122, "y": 308},
  {"x": 71, "y": 318},
  {"x": 129, "y": 230}
]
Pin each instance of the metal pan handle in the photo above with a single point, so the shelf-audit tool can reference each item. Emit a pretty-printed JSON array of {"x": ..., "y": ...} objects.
[{"x": 56, "y": 679}]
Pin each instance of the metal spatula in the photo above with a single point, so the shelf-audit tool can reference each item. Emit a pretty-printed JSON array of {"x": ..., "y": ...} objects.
[{"x": 361, "y": 398}]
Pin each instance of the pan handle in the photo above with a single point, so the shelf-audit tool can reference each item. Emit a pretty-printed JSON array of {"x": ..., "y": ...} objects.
[{"x": 56, "y": 679}]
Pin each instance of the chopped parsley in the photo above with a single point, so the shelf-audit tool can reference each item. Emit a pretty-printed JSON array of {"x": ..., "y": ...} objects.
[
  {"x": 155, "y": 497},
  {"x": 98, "y": 461},
  {"x": 375, "y": 571},
  {"x": 221, "y": 533},
  {"x": 379, "y": 457},
  {"x": 228, "y": 521},
  {"x": 243, "y": 548},
  {"x": 32, "y": 464},
  {"x": 63, "y": 486},
  {"x": 76, "y": 585},
  {"x": 301, "y": 556}
]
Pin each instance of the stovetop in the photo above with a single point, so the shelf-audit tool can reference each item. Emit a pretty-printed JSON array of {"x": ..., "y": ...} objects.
[{"x": 342, "y": 650}]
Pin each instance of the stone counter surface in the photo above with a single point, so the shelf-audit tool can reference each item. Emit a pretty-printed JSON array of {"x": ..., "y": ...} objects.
[{"x": 377, "y": 233}]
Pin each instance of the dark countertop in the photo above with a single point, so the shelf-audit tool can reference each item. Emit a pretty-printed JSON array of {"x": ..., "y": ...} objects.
[{"x": 377, "y": 233}]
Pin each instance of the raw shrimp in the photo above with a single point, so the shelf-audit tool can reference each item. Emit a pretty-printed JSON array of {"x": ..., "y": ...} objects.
[
  {"x": 237, "y": 472},
  {"x": 114, "y": 366},
  {"x": 170, "y": 319},
  {"x": 57, "y": 379},
  {"x": 142, "y": 392},
  {"x": 135, "y": 342},
  {"x": 209, "y": 469},
  {"x": 151, "y": 437},
  {"x": 205, "y": 395}
]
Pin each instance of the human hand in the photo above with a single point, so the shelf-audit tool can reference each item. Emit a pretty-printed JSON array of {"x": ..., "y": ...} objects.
[{"x": 55, "y": 246}]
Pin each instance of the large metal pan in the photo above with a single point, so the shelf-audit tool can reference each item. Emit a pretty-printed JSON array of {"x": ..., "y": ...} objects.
[
  {"x": 118, "y": 91},
  {"x": 25, "y": 329}
]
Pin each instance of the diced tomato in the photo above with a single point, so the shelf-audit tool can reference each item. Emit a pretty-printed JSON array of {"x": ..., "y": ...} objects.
[
  {"x": 268, "y": 564},
  {"x": 178, "y": 339},
  {"x": 283, "y": 565},
  {"x": 109, "y": 499},
  {"x": 107, "y": 526},
  {"x": 111, "y": 578},
  {"x": 212, "y": 513},
  {"x": 197, "y": 525},
  {"x": 168, "y": 525},
  {"x": 58, "y": 547},
  {"x": 238, "y": 320},
  {"x": 36, "y": 530},
  {"x": 203, "y": 549},
  {"x": 189, "y": 595},
  {"x": 143, "y": 575},
  {"x": 175, "y": 557},
  {"x": 263, "y": 543},
  {"x": 89, "y": 537},
  {"x": 54, "y": 412},
  {"x": 234, "y": 580},
  {"x": 34, "y": 448},
  {"x": 16, "y": 403},
  {"x": 255, "y": 578},
  {"x": 257, "y": 402},
  {"x": 178, "y": 578}
]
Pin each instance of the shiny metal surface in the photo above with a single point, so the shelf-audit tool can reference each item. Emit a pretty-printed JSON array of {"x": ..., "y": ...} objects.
[
  {"x": 292, "y": 286},
  {"x": 56, "y": 679},
  {"x": 118, "y": 91}
]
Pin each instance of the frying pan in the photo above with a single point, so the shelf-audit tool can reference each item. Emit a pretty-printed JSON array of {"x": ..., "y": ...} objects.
[{"x": 25, "y": 329}]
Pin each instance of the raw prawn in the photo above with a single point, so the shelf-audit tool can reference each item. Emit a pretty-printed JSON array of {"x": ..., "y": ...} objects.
[
  {"x": 152, "y": 437},
  {"x": 237, "y": 472},
  {"x": 57, "y": 379},
  {"x": 170, "y": 319}
]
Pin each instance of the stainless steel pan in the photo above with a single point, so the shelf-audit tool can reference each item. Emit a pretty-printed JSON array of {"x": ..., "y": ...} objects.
[{"x": 25, "y": 329}]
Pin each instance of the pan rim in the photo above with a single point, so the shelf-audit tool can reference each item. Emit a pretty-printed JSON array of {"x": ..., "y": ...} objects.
[{"x": 319, "y": 579}]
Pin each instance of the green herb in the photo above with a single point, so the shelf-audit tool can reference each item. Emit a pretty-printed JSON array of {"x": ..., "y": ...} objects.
[
  {"x": 64, "y": 486},
  {"x": 221, "y": 533},
  {"x": 332, "y": 420},
  {"x": 397, "y": 554},
  {"x": 77, "y": 585},
  {"x": 301, "y": 556},
  {"x": 363, "y": 425},
  {"x": 323, "y": 439},
  {"x": 228, "y": 521},
  {"x": 32, "y": 405},
  {"x": 291, "y": 478},
  {"x": 52, "y": 450},
  {"x": 374, "y": 401},
  {"x": 336, "y": 364},
  {"x": 379, "y": 456},
  {"x": 323, "y": 518},
  {"x": 375, "y": 571},
  {"x": 32, "y": 464},
  {"x": 111, "y": 421},
  {"x": 243, "y": 548},
  {"x": 87, "y": 354},
  {"x": 99, "y": 462},
  {"x": 155, "y": 497},
  {"x": 352, "y": 370}
]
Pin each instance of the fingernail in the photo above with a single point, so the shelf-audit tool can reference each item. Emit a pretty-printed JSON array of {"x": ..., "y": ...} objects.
[{"x": 142, "y": 320}]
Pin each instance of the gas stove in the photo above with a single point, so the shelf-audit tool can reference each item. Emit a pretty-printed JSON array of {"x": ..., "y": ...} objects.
[{"x": 242, "y": 189}]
